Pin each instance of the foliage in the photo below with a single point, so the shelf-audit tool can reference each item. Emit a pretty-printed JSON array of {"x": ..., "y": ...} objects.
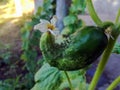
[
  {"x": 5, "y": 57},
  {"x": 50, "y": 78},
  {"x": 30, "y": 38},
  {"x": 116, "y": 48},
  {"x": 18, "y": 83},
  {"x": 77, "y": 6},
  {"x": 77, "y": 78},
  {"x": 30, "y": 41},
  {"x": 30, "y": 50},
  {"x": 71, "y": 21},
  {"x": 4, "y": 1},
  {"x": 9, "y": 84},
  {"x": 47, "y": 78}
]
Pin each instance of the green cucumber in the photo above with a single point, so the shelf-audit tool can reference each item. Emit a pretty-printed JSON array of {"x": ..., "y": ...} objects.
[{"x": 77, "y": 51}]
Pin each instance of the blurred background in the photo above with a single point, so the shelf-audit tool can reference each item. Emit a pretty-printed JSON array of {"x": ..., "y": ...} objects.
[{"x": 13, "y": 16}]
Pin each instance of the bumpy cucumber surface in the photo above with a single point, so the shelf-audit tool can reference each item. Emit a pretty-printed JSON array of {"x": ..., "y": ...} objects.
[{"x": 83, "y": 48}]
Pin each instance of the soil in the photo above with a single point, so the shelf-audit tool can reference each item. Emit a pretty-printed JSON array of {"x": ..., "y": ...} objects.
[{"x": 10, "y": 42}]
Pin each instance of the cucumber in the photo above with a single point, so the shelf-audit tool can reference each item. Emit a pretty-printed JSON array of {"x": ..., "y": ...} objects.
[{"x": 77, "y": 51}]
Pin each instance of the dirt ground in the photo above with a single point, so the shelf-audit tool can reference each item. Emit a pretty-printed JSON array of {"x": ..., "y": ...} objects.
[{"x": 10, "y": 40}]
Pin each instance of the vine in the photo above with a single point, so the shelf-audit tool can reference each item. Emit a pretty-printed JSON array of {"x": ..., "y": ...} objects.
[{"x": 108, "y": 50}]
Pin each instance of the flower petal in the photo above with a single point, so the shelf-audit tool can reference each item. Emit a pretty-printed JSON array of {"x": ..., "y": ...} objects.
[
  {"x": 52, "y": 32},
  {"x": 44, "y": 21},
  {"x": 53, "y": 20},
  {"x": 41, "y": 26}
]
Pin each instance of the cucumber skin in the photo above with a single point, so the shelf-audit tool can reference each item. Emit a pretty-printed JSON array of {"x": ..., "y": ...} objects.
[{"x": 85, "y": 46}]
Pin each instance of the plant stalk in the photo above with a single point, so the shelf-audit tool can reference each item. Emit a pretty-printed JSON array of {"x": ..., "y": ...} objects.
[
  {"x": 68, "y": 80},
  {"x": 93, "y": 13},
  {"x": 102, "y": 63},
  {"x": 108, "y": 50},
  {"x": 117, "y": 17},
  {"x": 114, "y": 83}
]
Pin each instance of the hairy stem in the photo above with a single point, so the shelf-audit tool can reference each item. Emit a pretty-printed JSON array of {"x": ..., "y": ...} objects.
[
  {"x": 108, "y": 50},
  {"x": 117, "y": 17},
  {"x": 105, "y": 57},
  {"x": 93, "y": 13},
  {"x": 114, "y": 83},
  {"x": 68, "y": 80},
  {"x": 101, "y": 65}
]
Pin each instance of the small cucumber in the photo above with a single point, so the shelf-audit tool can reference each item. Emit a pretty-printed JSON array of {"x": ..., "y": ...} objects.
[{"x": 78, "y": 51}]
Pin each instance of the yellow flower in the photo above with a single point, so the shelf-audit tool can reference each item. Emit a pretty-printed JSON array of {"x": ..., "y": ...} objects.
[{"x": 45, "y": 26}]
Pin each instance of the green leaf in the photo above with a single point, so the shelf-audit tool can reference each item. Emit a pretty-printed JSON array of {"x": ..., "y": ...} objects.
[
  {"x": 77, "y": 78},
  {"x": 78, "y": 6},
  {"x": 5, "y": 86},
  {"x": 69, "y": 20},
  {"x": 39, "y": 11},
  {"x": 67, "y": 31},
  {"x": 35, "y": 38},
  {"x": 47, "y": 78},
  {"x": 116, "y": 48}
]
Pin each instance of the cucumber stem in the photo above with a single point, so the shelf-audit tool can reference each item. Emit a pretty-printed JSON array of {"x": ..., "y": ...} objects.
[
  {"x": 93, "y": 13},
  {"x": 117, "y": 17},
  {"x": 104, "y": 60},
  {"x": 102, "y": 63},
  {"x": 114, "y": 83},
  {"x": 108, "y": 50},
  {"x": 68, "y": 80}
]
